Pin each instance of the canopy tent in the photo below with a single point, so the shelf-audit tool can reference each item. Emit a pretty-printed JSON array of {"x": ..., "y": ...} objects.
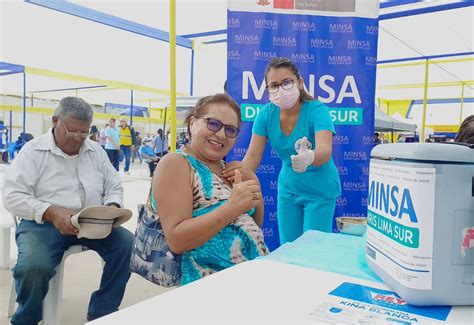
[
  {"x": 113, "y": 54},
  {"x": 385, "y": 123}
]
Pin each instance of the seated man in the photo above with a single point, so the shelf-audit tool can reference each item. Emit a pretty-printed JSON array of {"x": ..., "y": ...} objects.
[
  {"x": 148, "y": 156},
  {"x": 53, "y": 177}
]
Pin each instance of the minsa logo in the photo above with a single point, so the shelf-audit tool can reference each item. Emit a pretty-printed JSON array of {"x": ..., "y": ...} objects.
[
  {"x": 368, "y": 140},
  {"x": 340, "y": 28},
  {"x": 321, "y": 43},
  {"x": 302, "y": 58},
  {"x": 372, "y": 30},
  {"x": 341, "y": 201},
  {"x": 268, "y": 200},
  {"x": 340, "y": 139},
  {"x": 365, "y": 171},
  {"x": 246, "y": 39},
  {"x": 273, "y": 185},
  {"x": 371, "y": 60},
  {"x": 264, "y": 55},
  {"x": 272, "y": 216},
  {"x": 304, "y": 26},
  {"x": 239, "y": 152},
  {"x": 233, "y": 23},
  {"x": 233, "y": 55},
  {"x": 266, "y": 23},
  {"x": 267, "y": 232},
  {"x": 354, "y": 186},
  {"x": 263, "y": 2},
  {"x": 266, "y": 169},
  {"x": 355, "y": 44},
  {"x": 355, "y": 155},
  {"x": 284, "y": 41},
  {"x": 388, "y": 299},
  {"x": 339, "y": 59},
  {"x": 343, "y": 170},
  {"x": 273, "y": 154},
  {"x": 364, "y": 202}
]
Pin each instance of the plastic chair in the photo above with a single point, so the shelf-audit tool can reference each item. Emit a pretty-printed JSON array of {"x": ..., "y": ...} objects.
[{"x": 52, "y": 301}]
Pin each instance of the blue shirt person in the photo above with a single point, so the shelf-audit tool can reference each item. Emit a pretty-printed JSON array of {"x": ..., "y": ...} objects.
[
  {"x": 300, "y": 131},
  {"x": 112, "y": 146},
  {"x": 148, "y": 156}
]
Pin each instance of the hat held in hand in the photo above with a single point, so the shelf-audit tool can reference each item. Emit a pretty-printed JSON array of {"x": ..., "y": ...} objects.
[{"x": 96, "y": 222}]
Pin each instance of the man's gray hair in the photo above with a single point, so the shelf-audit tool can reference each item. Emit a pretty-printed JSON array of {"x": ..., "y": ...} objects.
[{"x": 74, "y": 107}]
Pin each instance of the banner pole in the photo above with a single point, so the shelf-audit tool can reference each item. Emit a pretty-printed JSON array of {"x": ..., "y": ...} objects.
[
  {"x": 462, "y": 103},
  {"x": 172, "y": 141},
  {"x": 425, "y": 101}
]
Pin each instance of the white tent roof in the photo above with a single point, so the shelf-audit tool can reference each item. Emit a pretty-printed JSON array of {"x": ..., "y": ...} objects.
[
  {"x": 30, "y": 36},
  {"x": 385, "y": 123}
]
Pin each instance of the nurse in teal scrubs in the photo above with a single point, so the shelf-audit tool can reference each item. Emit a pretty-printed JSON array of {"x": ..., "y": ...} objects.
[{"x": 300, "y": 130}]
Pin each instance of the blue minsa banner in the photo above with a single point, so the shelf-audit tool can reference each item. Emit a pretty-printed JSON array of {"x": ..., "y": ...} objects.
[{"x": 337, "y": 58}]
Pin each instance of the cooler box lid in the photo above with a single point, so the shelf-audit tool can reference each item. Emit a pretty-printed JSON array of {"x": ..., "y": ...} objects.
[{"x": 435, "y": 152}]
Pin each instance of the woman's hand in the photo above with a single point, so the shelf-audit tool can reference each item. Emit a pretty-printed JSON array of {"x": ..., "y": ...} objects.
[
  {"x": 245, "y": 194},
  {"x": 246, "y": 173}
]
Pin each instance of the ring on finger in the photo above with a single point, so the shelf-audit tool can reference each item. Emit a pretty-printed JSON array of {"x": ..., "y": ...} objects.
[{"x": 255, "y": 196}]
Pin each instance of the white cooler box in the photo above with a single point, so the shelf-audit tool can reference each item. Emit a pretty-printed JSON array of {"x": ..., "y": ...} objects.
[{"x": 420, "y": 218}]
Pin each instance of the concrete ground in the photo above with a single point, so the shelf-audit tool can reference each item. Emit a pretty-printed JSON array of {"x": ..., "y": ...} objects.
[{"x": 82, "y": 271}]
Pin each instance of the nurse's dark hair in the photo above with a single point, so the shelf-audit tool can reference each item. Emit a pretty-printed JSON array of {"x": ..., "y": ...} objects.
[
  {"x": 201, "y": 108},
  {"x": 277, "y": 63}
]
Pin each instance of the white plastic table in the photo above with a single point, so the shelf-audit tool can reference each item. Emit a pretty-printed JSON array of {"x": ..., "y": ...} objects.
[{"x": 267, "y": 291}]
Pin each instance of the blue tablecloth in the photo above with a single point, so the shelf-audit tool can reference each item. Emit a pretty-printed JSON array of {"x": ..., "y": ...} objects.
[{"x": 337, "y": 253}]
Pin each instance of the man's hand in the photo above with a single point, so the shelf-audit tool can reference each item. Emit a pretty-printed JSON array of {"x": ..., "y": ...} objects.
[{"x": 61, "y": 219}]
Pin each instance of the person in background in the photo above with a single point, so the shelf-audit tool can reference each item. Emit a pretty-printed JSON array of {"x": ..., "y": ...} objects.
[
  {"x": 52, "y": 178},
  {"x": 300, "y": 130},
  {"x": 4, "y": 144},
  {"x": 466, "y": 131},
  {"x": 377, "y": 139},
  {"x": 148, "y": 156},
  {"x": 103, "y": 136},
  {"x": 94, "y": 133},
  {"x": 127, "y": 139},
  {"x": 112, "y": 147},
  {"x": 137, "y": 144},
  {"x": 401, "y": 138},
  {"x": 160, "y": 144},
  {"x": 213, "y": 223}
]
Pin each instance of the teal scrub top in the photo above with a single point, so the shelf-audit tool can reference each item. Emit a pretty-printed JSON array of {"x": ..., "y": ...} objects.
[{"x": 318, "y": 181}]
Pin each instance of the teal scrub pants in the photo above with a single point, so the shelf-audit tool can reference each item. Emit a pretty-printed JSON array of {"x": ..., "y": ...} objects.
[{"x": 298, "y": 213}]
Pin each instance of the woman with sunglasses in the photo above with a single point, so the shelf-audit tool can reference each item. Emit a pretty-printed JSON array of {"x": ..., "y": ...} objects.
[
  {"x": 213, "y": 223},
  {"x": 300, "y": 130}
]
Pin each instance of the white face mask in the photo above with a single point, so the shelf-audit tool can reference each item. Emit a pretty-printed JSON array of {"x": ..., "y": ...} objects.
[{"x": 285, "y": 99}]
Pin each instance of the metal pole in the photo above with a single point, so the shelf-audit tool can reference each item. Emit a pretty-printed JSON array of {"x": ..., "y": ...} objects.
[
  {"x": 173, "y": 73},
  {"x": 23, "y": 138},
  {"x": 191, "y": 90},
  {"x": 462, "y": 103},
  {"x": 425, "y": 101},
  {"x": 131, "y": 107},
  {"x": 11, "y": 130},
  {"x": 164, "y": 132},
  {"x": 32, "y": 99}
]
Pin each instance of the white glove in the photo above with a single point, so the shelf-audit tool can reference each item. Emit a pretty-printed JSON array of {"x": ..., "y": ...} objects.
[{"x": 304, "y": 158}]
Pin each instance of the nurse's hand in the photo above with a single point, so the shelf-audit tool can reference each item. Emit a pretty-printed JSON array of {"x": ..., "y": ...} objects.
[
  {"x": 230, "y": 168},
  {"x": 303, "y": 159}
]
